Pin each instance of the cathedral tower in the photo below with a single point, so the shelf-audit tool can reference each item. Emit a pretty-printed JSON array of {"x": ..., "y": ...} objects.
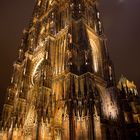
[{"x": 63, "y": 85}]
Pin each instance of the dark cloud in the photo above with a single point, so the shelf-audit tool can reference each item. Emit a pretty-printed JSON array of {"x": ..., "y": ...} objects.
[{"x": 121, "y": 21}]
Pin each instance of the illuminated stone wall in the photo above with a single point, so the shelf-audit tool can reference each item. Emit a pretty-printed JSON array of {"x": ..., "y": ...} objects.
[{"x": 63, "y": 84}]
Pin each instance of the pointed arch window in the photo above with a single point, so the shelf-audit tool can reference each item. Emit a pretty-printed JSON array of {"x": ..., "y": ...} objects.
[{"x": 95, "y": 55}]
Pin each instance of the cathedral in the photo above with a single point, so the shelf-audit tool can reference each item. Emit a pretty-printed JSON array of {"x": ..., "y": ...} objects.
[{"x": 63, "y": 85}]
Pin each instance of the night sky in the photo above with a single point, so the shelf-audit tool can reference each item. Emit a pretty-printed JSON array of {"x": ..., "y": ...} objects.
[{"x": 121, "y": 20}]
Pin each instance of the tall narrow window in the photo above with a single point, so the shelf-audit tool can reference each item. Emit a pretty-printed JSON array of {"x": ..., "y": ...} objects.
[{"x": 95, "y": 55}]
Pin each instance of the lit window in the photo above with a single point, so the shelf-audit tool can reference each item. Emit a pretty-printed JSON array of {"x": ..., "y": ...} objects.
[
  {"x": 95, "y": 55},
  {"x": 39, "y": 3},
  {"x": 98, "y": 14}
]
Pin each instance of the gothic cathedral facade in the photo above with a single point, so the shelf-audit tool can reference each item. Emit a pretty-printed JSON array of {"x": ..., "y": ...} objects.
[{"x": 63, "y": 85}]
